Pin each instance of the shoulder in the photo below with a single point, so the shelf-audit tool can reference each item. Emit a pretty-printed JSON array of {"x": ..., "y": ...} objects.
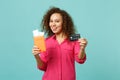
[
  {"x": 49, "y": 38},
  {"x": 50, "y": 42}
]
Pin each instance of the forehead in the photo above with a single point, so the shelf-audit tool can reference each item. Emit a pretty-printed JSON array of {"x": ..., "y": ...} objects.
[{"x": 56, "y": 15}]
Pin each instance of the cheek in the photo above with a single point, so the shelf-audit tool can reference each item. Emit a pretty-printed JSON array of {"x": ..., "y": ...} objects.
[
  {"x": 60, "y": 25},
  {"x": 49, "y": 24},
  {"x": 60, "y": 28}
]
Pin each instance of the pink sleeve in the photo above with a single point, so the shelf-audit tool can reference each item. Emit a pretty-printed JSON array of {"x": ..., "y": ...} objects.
[
  {"x": 43, "y": 68},
  {"x": 43, "y": 58},
  {"x": 76, "y": 51}
]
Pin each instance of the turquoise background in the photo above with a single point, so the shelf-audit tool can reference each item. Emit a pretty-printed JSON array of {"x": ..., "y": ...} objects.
[{"x": 96, "y": 20}]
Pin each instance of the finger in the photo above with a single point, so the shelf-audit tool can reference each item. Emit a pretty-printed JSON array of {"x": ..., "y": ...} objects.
[
  {"x": 35, "y": 47},
  {"x": 83, "y": 41},
  {"x": 82, "y": 44},
  {"x": 35, "y": 52}
]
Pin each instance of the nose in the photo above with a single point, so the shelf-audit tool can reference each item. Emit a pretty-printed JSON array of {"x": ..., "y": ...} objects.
[{"x": 53, "y": 24}]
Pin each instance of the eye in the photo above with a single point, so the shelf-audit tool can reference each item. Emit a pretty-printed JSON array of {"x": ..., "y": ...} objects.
[{"x": 57, "y": 21}]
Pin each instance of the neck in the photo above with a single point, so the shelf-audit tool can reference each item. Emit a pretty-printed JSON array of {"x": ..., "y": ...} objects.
[{"x": 60, "y": 37}]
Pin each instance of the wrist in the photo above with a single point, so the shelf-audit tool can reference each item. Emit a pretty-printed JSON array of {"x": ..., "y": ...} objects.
[
  {"x": 82, "y": 53},
  {"x": 82, "y": 49}
]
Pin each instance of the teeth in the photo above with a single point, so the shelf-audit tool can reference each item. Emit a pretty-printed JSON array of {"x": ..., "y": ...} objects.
[{"x": 53, "y": 28}]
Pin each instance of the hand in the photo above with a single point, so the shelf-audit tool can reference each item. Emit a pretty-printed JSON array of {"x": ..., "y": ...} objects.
[
  {"x": 83, "y": 43},
  {"x": 35, "y": 50}
]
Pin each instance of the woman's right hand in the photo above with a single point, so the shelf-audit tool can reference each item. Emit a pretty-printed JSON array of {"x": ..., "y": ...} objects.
[{"x": 35, "y": 50}]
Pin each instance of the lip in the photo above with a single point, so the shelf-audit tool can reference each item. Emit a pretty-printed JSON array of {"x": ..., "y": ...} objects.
[{"x": 54, "y": 28}]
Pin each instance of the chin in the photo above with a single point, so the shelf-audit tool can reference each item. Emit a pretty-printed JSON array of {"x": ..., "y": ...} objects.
[{"x": 55, "y": 32}]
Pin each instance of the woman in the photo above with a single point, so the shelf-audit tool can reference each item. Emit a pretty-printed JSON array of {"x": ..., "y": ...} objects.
[{"x": 58, "y": 61}]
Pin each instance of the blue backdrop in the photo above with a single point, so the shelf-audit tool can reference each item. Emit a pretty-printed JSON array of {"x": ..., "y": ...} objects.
[{"x": 96, "y": 20}]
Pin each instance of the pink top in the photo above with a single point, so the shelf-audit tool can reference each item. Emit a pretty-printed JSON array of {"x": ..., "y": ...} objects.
[{"x": 59, "y": 59}]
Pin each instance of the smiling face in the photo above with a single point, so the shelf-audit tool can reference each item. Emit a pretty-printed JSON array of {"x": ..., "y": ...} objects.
[{"x": 55, "y": 23}]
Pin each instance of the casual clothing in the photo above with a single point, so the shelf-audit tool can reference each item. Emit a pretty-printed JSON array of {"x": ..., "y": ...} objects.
[{"x": 59, "y": 59}]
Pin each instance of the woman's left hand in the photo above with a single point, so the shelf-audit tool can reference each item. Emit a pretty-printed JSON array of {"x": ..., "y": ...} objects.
[{"x": 83, "y": 43}]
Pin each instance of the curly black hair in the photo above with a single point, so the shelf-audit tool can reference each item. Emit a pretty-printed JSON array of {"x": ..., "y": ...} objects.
[{"x": 68, "y": 25}]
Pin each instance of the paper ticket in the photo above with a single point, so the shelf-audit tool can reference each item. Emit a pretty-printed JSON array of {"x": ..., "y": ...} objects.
[{"x": 39, "y": 40}]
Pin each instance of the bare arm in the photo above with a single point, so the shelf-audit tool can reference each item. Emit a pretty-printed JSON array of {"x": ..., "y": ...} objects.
[
  {"x": 83, "y": 44},
  {"x": 38, "y": 60},
  {"x": 81, "y": 54},
  {"x": 36, "y": 52}
]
